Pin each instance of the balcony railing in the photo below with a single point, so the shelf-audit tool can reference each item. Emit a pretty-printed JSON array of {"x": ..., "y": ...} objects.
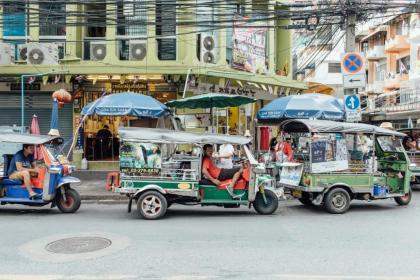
[
  {"x": 376, "y": 87},
  {"x": 395, "y": 101},
  {"x": 397, "y": 44},
  {"x": 393, "y": 81},
  {"x": 376, "y": 53}
]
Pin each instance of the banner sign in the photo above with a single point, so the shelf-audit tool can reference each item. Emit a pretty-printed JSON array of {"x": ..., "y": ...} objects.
[
  {"x": 140, "y": 159},
  {"x": 249, "y": 45},
  {"x": 329, "y": 156},
  {"x": 291, "y": 174}
]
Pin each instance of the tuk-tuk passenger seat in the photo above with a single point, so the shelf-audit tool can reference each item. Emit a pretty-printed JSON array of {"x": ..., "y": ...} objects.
[{"x": 7, "y": 159}]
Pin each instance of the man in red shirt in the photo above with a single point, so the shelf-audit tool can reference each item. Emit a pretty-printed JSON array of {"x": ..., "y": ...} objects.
[{"x": 215, "y": 174}]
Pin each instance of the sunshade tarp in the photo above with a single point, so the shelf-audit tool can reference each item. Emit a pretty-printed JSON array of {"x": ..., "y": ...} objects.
[
  {"x": 211, "y": 100},
  {"x": 127, "y": 104},
  {"x": 26, "y": 138},
  {"x": 314, "y": 105},
  {"x": 139, "y": 134},
  {"x": 322, "y": 126}
]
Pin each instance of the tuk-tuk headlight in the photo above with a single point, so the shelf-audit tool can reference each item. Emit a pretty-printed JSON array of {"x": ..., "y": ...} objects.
[{"x": 54, "y": 170}]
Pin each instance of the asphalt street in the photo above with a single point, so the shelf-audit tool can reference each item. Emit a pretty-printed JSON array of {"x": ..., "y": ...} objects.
[{"x": 374, "y": 240}]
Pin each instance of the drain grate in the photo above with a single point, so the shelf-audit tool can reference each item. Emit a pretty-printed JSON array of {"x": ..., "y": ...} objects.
[{"x": 78, "y": 245}]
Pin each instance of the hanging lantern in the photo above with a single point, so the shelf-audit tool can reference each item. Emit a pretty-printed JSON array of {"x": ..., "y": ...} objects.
[{"x": 62, "y": 96}]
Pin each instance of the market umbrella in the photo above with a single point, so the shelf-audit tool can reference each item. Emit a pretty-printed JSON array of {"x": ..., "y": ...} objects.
[
  {"x": 36, "y": 131},
  {"x": 211, "y": 100},
  {"x": 127, "y": 104},
  {"x": 54, "y": 120},
  {"x": 306, "y": 106}
]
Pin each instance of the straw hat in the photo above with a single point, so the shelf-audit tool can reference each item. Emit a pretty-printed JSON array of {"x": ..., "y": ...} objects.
[{"x": 387, "y": 125}]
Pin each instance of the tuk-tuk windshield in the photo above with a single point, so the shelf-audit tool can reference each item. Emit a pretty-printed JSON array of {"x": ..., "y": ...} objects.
[{"x": 390, "y": 144}]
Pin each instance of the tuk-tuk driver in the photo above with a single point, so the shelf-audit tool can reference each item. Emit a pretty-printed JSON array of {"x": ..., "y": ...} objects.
[
  {"x": 215, "y": 174},
  {"x": 23, "y": 166}
]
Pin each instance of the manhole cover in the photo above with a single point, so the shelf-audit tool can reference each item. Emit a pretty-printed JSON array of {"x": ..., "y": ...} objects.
[{"x": 77, "y": 245}]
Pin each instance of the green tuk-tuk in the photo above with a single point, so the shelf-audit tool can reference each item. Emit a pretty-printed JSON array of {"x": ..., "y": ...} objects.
[
  {"x": 160, "y": 167},
  {"x": 336, "y": 162}
]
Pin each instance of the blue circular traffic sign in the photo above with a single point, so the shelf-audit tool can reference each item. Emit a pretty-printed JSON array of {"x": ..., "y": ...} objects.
[{"x": 352, "y": 102}]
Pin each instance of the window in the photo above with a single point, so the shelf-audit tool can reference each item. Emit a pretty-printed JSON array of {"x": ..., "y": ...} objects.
[
  {"x": 14, "y": 18},
  {"x": 95, "y": 20},
  {"x": 52, "y": 19},
  {"x": 166, "y": 29},
  {"x": 403, "y": 65},
  {"x": 334, "y": 67},
  {"x": 381, "y": 71},
  {"x": 365, "y": 46},
  {"x": 132, "y": 18}
]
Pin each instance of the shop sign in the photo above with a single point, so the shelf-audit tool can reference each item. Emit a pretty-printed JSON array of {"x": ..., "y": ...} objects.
[
  {"x": 250, "y": 92},
  {"x": 163, "y": 87},
  {"x": 33, "y": 86},
  {"x": 128, "y": 87},
  {"x": 249, "y": 45}
]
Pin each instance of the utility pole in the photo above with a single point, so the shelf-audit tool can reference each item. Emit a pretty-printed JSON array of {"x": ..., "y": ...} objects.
[
  {"x": 350, "y": 37},
  {"x": 353, "y": 65}
]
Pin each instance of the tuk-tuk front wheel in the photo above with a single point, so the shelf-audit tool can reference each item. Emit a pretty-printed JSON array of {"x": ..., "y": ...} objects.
[
  {"x": 404, "y": 200},
  {"x": 72, "y": 202},
  {"x": 337, "y": 201},
  {"x": 152, "y": 205},
  {"x": 268, "y": 205}
]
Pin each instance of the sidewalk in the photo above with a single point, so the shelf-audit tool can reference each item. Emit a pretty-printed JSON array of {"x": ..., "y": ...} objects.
[{"x": 92, "y": 189}]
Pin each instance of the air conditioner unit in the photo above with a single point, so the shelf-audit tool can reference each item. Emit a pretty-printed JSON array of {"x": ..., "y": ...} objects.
[
  {"x": 97, "y": 50},
  {"x": 22, "y": 52},
  {"x": 137, "y": 49},
  {"x": 208, "y": 48},
  {"x": 5, "y": 54},
  {"x": 42, "y": 53}
]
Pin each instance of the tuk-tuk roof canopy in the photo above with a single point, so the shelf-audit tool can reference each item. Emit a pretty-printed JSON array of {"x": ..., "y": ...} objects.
[
  {"x": 323, "y": 126},
  {"x": 26, "y": 138},
  {"x": 155, "y": 135}
]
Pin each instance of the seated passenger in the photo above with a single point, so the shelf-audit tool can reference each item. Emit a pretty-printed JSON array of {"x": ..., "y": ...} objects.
[
  {"x": 23, "y": 166},
  {"x": 215, "y": 174}
]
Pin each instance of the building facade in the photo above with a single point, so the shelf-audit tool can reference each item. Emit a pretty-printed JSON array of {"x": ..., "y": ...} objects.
[{"x": 147, "y": 47}]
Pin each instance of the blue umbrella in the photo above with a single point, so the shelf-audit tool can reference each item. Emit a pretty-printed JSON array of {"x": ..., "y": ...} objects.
[
  {"x": 305, "y": 106},
  {"x": 54, "y": 119},
  {"x": 127, "y": 104}
]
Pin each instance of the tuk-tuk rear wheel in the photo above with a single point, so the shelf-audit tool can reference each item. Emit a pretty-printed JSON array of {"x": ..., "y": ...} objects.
[
  {"x": 404, "y": 200},
  {"x": 72, "y": 202},
  {"x": 264, "y": 208},
  {"x": 337, "y": 201},
  {"x": 152, "y": 205}
]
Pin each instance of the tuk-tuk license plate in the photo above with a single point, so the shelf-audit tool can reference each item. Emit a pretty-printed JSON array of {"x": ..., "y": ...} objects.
[{"x": 297, "y": 194}]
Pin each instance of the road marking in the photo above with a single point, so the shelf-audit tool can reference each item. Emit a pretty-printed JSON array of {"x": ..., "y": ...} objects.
[
  {"x": 344, "y": 277},
  {"x": 67, "y": 277}
]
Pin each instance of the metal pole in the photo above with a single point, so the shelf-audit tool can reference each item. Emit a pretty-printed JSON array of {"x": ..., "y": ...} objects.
[
  {"x": 186, "y": 82},
  {"x": 22, "y": 105}
]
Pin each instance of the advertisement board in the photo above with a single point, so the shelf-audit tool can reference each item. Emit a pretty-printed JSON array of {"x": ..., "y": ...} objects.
[
  {"x": 140, "y": 159},
  {"x": 249, "y": 45},
  {"x": 329, "y": 155}
]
